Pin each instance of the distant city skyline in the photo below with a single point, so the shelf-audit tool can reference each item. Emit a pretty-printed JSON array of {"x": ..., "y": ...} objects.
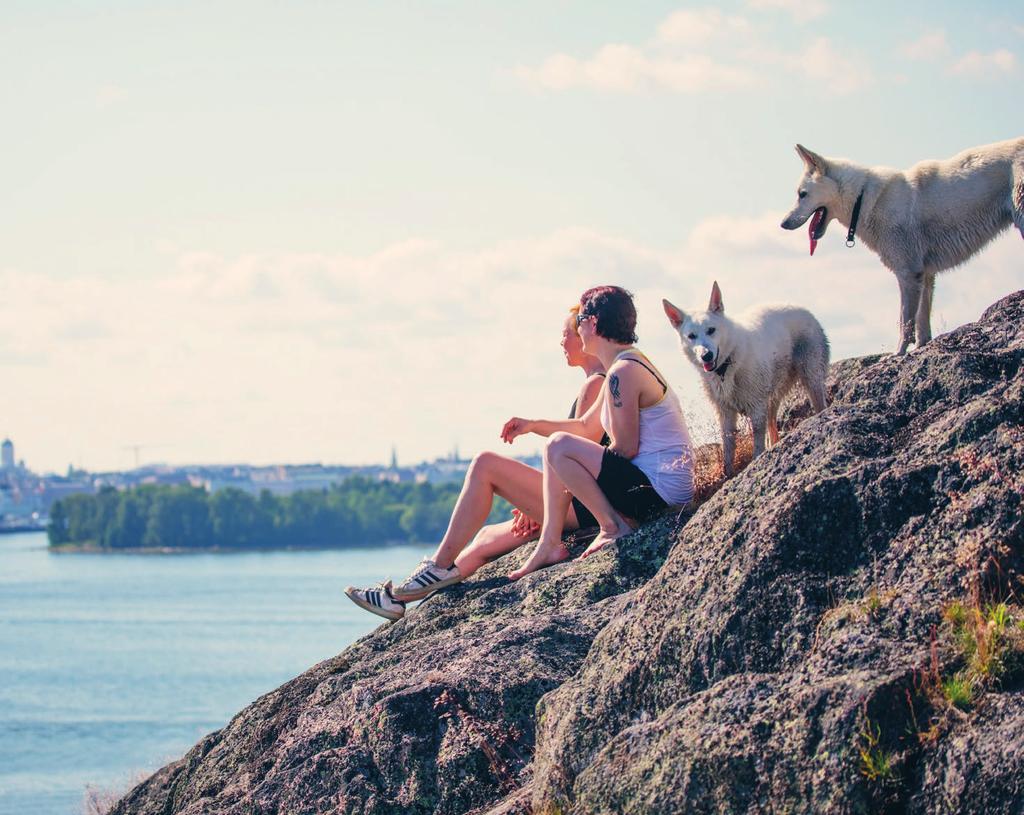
[
  {"x": 342, "y": 227},
  {"x": 27, "y": 497},
  {"x": 391, "y": 461}
]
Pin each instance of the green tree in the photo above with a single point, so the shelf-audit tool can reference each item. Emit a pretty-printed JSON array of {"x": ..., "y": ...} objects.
[{"x": 179, "y": 517}]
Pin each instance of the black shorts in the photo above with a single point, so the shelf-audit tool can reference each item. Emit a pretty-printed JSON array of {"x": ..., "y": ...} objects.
[{"x": 626, "y": 488}]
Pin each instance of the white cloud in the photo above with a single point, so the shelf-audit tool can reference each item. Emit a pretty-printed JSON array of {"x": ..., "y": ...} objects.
[
  {"x": 933, "y": 45},
  {"x": 625, "y": 68},
  {"x": 697, "y": 26},
  {"x": 822, "y": 65},
  {"x": 107, "y": 96},
  {"x": 930, "y": 45},
  {"x": 985, "y": 66},
  {"x": 822, "y": 62},
  {"x": 801, "y": 10},
  {"x": 329, "y": 357},
  {"x": 698, "y": 50}
]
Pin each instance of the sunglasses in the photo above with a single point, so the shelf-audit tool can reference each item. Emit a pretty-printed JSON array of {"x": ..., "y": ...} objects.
[{"x": 581, "y": 317}]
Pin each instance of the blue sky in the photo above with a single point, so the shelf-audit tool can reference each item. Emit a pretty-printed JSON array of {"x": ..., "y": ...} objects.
[{"x": 306, "y": 231}]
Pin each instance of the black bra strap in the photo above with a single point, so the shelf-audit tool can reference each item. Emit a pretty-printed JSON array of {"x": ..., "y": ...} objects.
[{"x": 664, "y": 387}]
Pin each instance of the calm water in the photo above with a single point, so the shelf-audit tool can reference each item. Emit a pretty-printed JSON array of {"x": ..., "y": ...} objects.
[{"x": 112, "y": 665}]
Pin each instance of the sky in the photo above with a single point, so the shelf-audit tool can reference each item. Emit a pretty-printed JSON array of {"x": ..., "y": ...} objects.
[{"x": 310, "y": 232}]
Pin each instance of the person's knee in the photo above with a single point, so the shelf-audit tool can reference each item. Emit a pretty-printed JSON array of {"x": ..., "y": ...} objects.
[
  {"x": 558, "y": 444},
  {"x": 482, "y": 465},
  {"x": 487, "y": 534}
]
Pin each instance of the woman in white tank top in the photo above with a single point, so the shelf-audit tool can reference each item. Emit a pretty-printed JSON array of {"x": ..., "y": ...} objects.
[
  {"x": 649, "y": 463},
  {"x": 664, "y": 453}
]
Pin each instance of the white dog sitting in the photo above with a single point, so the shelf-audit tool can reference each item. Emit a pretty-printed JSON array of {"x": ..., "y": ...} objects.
[{"x": 749, "y": 365}]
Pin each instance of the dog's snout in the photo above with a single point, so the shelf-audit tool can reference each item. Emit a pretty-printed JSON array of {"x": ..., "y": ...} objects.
[{"x": 707, "y": 356}]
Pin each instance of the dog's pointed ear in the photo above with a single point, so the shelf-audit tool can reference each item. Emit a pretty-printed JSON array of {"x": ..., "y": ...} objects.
[
  {"x": 813, "y": 162},
  {"x": 675, "y": 316},
  {"x": 715, "y": 304}
]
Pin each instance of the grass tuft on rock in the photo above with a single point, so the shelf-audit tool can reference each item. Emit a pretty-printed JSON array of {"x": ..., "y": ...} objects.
[{"x": 876, "y": 763}]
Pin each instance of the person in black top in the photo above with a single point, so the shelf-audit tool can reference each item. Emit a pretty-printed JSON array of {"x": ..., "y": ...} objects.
[
  {"x": 461, "y": 552},
  {"x": 493, "y": 541}
]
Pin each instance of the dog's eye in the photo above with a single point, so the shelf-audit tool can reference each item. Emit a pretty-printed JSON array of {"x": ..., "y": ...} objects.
[
  {"x": 711, "y": 331},
  {"x": 692, "y": 336},
  {"x": 802, "y": 194}
]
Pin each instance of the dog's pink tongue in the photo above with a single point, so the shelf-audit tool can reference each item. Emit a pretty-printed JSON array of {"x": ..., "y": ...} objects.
[
  {"x": 815, "y": 222},
  {"x": 708, "y": 366}
]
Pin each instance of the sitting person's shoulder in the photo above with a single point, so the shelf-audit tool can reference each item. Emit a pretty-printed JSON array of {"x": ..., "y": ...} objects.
[{"x": 625, "y": 367}]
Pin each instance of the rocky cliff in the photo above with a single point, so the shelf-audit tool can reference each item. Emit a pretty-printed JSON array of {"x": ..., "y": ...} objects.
[{"x": 793, "y": 646}]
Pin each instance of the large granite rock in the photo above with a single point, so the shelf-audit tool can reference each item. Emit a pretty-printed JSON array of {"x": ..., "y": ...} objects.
[
  {"x": 732, "y": 661},
  {"x": 434, "y": 713}
]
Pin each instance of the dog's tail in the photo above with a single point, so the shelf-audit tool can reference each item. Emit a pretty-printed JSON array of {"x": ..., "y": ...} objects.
[{"x": 1017, "y": 192}]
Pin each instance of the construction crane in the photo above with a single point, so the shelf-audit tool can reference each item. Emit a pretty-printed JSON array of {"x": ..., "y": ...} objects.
[{"x": 137, "y": 448}]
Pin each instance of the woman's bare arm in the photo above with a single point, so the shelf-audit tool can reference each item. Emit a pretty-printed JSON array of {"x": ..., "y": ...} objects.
[
  {"x": 589, "y": 395},
  {"x": 623, "y": 393},
  {"x": 586, "y": 426}
]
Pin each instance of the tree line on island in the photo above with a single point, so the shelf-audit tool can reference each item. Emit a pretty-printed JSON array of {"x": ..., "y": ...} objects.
[{"x": 356, "y": 512}]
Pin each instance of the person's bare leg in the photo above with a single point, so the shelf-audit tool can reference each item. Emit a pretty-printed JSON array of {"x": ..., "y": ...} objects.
[
  {"x": 491, "y": 542},
  {"x": 557, "y": 506},
  {"x": 490, "y": 474},
  {"x": 577, "y": 462},
  {"x": 571, "y": 466}
]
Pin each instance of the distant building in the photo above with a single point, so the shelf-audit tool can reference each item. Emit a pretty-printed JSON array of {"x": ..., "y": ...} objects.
[
  {"x": 278, "y": 480},
  {"x": 53, "y": 489},
  {"x": 7, "y": 455},
  {"x": 397, "y": 475},
  {"x": 443, "y": 470}
]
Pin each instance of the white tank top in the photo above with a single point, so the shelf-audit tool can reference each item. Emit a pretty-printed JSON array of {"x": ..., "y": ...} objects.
[{"x": 665, "y": 453}]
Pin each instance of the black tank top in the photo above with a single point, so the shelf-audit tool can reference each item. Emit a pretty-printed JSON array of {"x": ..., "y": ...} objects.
[{"x": 605, "y": 441}]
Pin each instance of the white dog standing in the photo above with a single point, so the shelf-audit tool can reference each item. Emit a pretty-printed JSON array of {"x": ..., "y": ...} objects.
[
  {"x": 747, "y": 366},
  {"x": 925, "y": 220}
]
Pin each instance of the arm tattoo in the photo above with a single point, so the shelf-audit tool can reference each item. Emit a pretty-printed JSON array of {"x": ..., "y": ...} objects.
[{"x": 613, "y": 388}]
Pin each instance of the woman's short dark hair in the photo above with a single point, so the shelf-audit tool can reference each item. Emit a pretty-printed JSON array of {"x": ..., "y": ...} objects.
[{"x": 616, "y": 315}]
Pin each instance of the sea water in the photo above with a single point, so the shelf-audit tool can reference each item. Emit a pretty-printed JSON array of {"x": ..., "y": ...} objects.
[{"x": 112, "y": 665}]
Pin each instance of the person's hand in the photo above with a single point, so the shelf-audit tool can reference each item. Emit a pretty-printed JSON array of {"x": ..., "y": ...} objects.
[
  {"x": 523, "y": 526},
  {"x": 514, "y": 428}
]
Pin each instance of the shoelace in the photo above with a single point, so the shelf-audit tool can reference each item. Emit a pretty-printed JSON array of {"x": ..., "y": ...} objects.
[
  {"x": 425, "y": 565},
  {"x": 383, "y": 588}
]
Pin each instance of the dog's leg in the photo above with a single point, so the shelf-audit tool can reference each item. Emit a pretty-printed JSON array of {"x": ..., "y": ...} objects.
[
  {"x": 773, "y": 425},
  {"x": 816, "y": 390},
  {"x": 910, "y": 297},
  {"x": 1017, "y": 193},
  {"x": 759, "y": 422},
  {"x": 727, "y": 421},
  {"x": 923, "y": 322}
]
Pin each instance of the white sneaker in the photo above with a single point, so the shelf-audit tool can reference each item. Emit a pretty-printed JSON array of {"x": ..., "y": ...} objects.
[
  {"x": 426, "y": 578},
  {"x": 378, "y": 600}
]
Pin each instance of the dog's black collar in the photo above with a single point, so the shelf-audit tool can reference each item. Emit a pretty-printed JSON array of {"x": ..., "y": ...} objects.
[
  {"x": 721, "y": 369},
  {"x": 853, "y": 220}
]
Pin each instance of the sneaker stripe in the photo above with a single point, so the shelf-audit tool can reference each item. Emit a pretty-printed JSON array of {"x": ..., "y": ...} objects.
[
  {"x": 431, "y": 577},
  {"x": 422, "y": 581}
]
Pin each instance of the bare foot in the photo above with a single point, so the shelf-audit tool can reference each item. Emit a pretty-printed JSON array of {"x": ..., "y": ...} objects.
[
  {"x": 604, "y": 537},
  {"x": 546, "y": 554}
]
